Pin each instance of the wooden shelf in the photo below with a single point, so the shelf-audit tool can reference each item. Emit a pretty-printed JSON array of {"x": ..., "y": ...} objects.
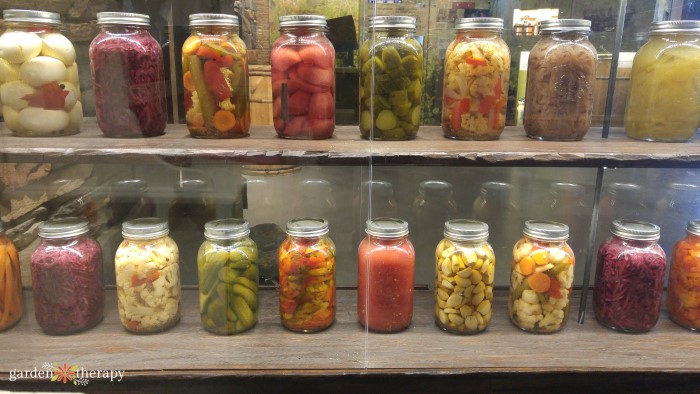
[{"x": 346, "y": 147}]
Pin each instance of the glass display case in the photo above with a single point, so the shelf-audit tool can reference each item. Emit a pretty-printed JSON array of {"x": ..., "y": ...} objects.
[{"x": 347, "y": 180}]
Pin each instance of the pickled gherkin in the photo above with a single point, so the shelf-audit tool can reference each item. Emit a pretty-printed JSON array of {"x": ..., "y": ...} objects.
[
  {"x": 228, "y": 272},
  {"x": 391, "y": 80}
]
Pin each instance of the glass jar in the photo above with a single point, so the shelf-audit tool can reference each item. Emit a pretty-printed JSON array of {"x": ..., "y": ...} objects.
[
  {"x": 39, "y": 89},
  {"x": 680, "y": 203},
  {"x": 67, "y": 277},
  {"x": 620, "y": 201},
  {"x": 315, "y": 199},
  {"x": 566, "y": 204},
  {"x": 683, "y": 294},
  {"x": 479, "y": 58},
  {"x": 664, "y": 98},
  {"x": 542, "y": 277},
  {"x": 385, "y": 270},
  {"x": 148, "y": 277},
  {"x": 307, "y": 276},
  {"x": 391, "y": 79},
  {"x": 126, "y": 64},
  {"x": 560, "y": 77},
  {"x": 629, "y": 277},
  {"x": 215, "y": 78},
  {"x": 464, "y": 273},
  {"x": 228, "y": 277},
  {"x": 12, "y": 305},
  {"x": 374, "y": 199},
  {"x": 497, "y": 206},
  {"x": 303, "y": 79},
  {"x": 128, "y": 200}
]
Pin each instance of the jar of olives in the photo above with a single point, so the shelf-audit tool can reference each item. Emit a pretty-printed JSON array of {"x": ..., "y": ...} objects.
[
  {"x": 227, "y": 265},
  {"x": 391, "y": 79}
]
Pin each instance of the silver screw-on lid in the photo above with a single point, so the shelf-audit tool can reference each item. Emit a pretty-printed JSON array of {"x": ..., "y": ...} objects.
[
  {"x": 379, "y": 188},
  {"x": 635, "y": 230},
  {"x": 479, "y": 23},
  {"x": 563, "y": 25},
  {"x": 387, "y": 228},
  {"x": 624, "y": 189},
  {"x": 402, "y": 22},
  {"x": 214, "y": 20},
  {"x": 440, "y": 188},
  {"x": 63, "y": 228},
  {"x": 14, "y": 15},
  {"x": 226, "y": 229},
  {"x": 675, "y": 27},
  {"x": 145, "y": 228},
  {"x": 574, "y": 189},
  {"x": 303, "y": 21},
  {"x": 123, "y": 18},
  {"x": 546, "y": 230},
  {"x": 496, "y": 188},
  {"x": 693, "y": 227},
  {"x": 307, "y": 227},
  {"x": 466, "y": 230}
]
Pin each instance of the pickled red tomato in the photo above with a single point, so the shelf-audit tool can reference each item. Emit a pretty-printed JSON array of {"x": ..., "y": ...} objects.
[{"x": 307, "y": 72}]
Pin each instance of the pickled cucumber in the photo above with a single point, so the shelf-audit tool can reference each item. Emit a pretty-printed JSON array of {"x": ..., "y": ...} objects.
[{"x": 387, "y": 120}]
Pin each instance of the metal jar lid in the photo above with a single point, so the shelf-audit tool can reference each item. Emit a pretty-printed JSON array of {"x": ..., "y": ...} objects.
[
  {"x": 561, "y": 188},
  {"x": 466, "y": 230},
  {"x": 401, "y": 22},
  {"x": 31, "y": 16},
  {"x": 226, "y": 229},
  {"x": 479, "y": 23},
  {"x": 685, "y": 188},
  {"x": 214, "y": 20},
  {"x": 303, "y": 21},
  {"x": 387, "y": 228},
  {"x": 564, "y": 25},
  {"x": 635, "y": 230},
  {"x": 191, "y": 185},
  {"x": 496, "y": 188},
  {"x": 315, "y": 186},
  {"x": 439, "y": 188},
  {"x": 546, "y": 230},
  {"x": 67, "y": 227},
  {"x": 623, "y": 189},
  {"x": 378, "y": 188},
  {"x": 307, "y": 227},
  {"x": 145, "y": 228},
  {"x": 128, "y": 187},
  {"x": 693, "y": 227},
  {"x": 675, "y": 27},
  {"x": 123, "y": 18}
]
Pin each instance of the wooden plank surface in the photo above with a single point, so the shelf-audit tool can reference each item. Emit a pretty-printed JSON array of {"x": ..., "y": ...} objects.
[
  {"x": 346, "y": 147},
  {"x": 268, "y": 349}
]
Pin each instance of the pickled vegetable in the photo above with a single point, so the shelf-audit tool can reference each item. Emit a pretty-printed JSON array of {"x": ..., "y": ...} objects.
[
  {"x": 228, "y": 285},
  {"x": 148, "y": 284},
  {"x": 307, "y": 283},
  {"x": 391, "y": 85},
  {"x": 11, "y": 299},
  {"x": 464, "y": 278},
  {"x": 475, "y": 88},
  {"x": 683, "y": 298},
  {"x": 541, "y": 283},
  {"x": 215, "y": 77}
]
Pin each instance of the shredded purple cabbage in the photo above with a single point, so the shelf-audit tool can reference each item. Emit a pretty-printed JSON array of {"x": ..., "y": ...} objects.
[
  {"x": 629, "y": 284},
  {"x": 127, "y": 75},
  {"x": 67, "y": 285}
]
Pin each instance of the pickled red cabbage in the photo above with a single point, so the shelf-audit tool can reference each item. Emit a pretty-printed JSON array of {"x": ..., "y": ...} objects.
[{"x": 629, "y": 284}]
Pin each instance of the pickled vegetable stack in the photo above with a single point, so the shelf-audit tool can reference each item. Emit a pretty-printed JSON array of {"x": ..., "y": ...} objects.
[
  {"x": 683, "y": 298},
  {"x": 541, "y": 278},
  {"x": 148, "y": 277},
  {"x": 228, "y": 277},
  {"x": 391, "y": 79},
  {"x": 307, "y": 276},
  {"x": 303, "y": 79},
  {"x": 39, "y": 86},
  {"x": 464, "y": 274},
  {"x": 475, "y": 90},
  {"x": 215, "y": 78},
  {"x": 11, "y": 298}
]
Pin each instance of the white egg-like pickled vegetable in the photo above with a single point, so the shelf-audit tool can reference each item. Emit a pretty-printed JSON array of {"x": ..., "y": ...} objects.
[
  {"x": 72, "y": 75},
  {"x": 58, "y": 46},
  {"x": 18, "y": 46},
  {"x": 72, "y": 96},
  {"x": 8, "y": 71},
  {"x": 12, "y": 119},
  {"x": 42, "y": 70},
  {"x": 75, "y": 118},
  {"x": 11, "y": 94},
  {"x": 43, "y": 121}
]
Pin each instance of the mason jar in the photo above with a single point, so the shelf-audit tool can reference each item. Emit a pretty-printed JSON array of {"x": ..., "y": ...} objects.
[
  {"x": 215, "y": 78},
  {"x": 683, "y": 294},
  {"x": 542, "y": 277},
  {"x": 67, "y": 278},
  {"x": 126, "y": 64},
  {"x": 39, "y": 86},
  {"x": 560, "y": 77},
  {"x": 478, "y": 56},
  {"x": 227, "y": 265},
  {"x": 664, "y": 97},
  {"x": 12, "y": 306},
  {"x": 307, "y": 276},
  {"x": 385, "y": 271},
  {"x": 391, "y": 79},
  {"x": 303, "y": 79},
  {"x": 148, "y": 277},
  {"x": 464, "y": 274},
  {"x": 629, "y": 277}
]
